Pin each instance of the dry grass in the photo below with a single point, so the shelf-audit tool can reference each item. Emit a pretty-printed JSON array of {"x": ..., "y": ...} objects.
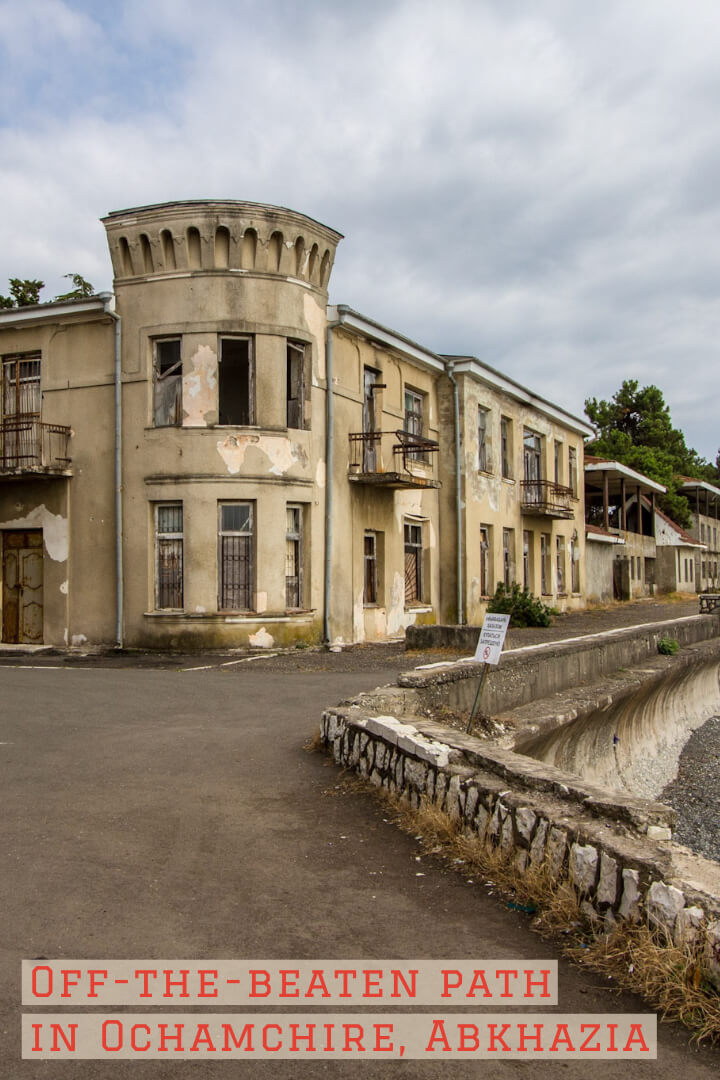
[
  {"x": 315, "y": 744},
  {"x": 637, "y": 958}
]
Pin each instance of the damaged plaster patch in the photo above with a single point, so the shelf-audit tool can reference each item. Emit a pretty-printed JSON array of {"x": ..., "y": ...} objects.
[
  {"x": 261, "y": 602},
  {"x": 199, "y": 388},
  {"x": 199, "y": 609},
  {"x": 279, "y": 450},
  {"x": 77, "y": 639},
  {"x": 64, "y": 588},
  {"x": 262, "y": 640},
  {"x": 54, "y": 528},
  {"x": 398, "y": 619},
  {"x": 408, "y": 503},
  {"x": 320, "y": 474},
  {"x": 358, "y": 618}
]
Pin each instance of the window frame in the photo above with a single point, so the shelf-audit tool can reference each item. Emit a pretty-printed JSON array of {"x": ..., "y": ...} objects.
[
  {"x": 415, "y": 549},
  {"x": 485, "y": 560},
  {"x": 506, "y": 447},
  {"x": 295, "y": 537},
  {"x": 370, "y": 568},
  {"x": 292, "y": 348},
  {"x": 164, "y": 538},
  {"x": 174, "y": 371},
  {"x": 508, "y": 557},
  {"x": 250, "y": 534},
  {"x": 483, "y": 456},
  {"x": 251, "y": 420}
]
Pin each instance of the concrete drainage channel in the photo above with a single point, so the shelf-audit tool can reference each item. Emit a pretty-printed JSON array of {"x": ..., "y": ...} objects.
[{"x": 615, "y": 849}]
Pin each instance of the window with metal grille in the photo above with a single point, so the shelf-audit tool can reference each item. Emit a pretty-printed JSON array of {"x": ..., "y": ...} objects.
[
  {"x": 295, "y": 384},
  {"x": 483, "y": 456},
  {"x": 236, "y": 556},
  {"x": 293, "y": 558},
  {"x": 167, "y": 389},
  {"x": 370, "y": 581},
  {"x": 413, "y": 563},
  {"x": 169, "y": 556}
]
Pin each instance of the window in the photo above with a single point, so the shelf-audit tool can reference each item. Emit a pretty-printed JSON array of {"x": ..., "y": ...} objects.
[
  {"x": 414, "y": 420},
  {"x": 483, "y": 456},
  {"x": 485, "y": 578},
  {"x": 293, "y": 557},
  {"x": 236, "y": 382},
  {"x": 532, "y": 466},
  {"x": 295, "y": 384},
  {"x": 573, "y": 471},
  {"x": 167, "y": 367},
  {"x": 370, "y": 581},
  {"x": 558, "y": 461},
  {"x": 236, "y": 556},
  {"x": 169, "y": 556},
  {"x": 527, "y": 559},
  {"x": 20, "y": 401},
  {"x": 506, "y": 447},
  {"x": 560, "y": 562},
  {"x": 574, "y": 553},
  {"x": 545, "y": 563},
  {"x": 702, "y": 530},
  {"x": 413, "y": 563},
  {"x": 508, "y": 557}
]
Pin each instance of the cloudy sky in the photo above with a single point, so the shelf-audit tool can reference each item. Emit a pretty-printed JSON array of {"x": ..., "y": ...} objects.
[{"x": 535, "y": 182}]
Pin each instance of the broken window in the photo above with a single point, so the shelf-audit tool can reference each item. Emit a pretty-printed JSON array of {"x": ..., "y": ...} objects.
[
  {"x": 236, "y": 556},
  {"x": 236, "y": 382},
  {"x": 169, "y": 556},
  {"x": 370, "y": 582},
  {"x": 413, "y": 563},
  {"x": 295, "y": 384},
  {"x": 167, "y": 404},
  {"x": 483, "y": 460},
  {"x": 293, "y": 558}
]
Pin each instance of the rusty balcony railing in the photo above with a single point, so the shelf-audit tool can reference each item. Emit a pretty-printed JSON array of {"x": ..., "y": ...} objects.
[
  {"x": 27, "y": 444},
  {"x": 392, "y": 458},
  {"x": 546, "y": 498}
]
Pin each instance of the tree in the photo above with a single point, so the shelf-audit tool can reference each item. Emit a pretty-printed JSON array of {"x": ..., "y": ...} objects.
[
  {"x": 635, "y": 428},
  {"x": 22, "y": 293},
  {"x": 82, "y": 288}
]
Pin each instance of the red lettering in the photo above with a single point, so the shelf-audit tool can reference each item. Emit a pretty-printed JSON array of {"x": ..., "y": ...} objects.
[
  {"x": 35, "y": 990},
  {"x": 542, "y": 982},
  {"x": 497, "y": 1036},
  {"x": 309, "y": 1037},
  {"x": 562, "y": 1029},
  {"x": 68, "y": 982},
  {"x": 438, "y": 1035},
  {"x": 207, "y": 983},
  {"x": 245, "y": 1035},
  {"x": 345, "y": 973},
  {"x": 266, "y": 1045},
  {"x": 356, "y": 1038},
  {"x": 181, "y": 982},
  {"x": 146, "y": 973},
  {"x": 37, "y": 1028},
  {"x": 594, "y": 1028},
  {"x": 329, "y": 1031},
  {"x": 165, "y": 1036},
  {"x": 133, "y": 1043},
  {"x": 399, "y": 978},
  {"x": 57, "y": 1032},
  {"x": 107, "y": 1025},
  {"x": 96, "y": 980},
  {"x": 507, "y": 992},
  {"x": 479, "y": 982},
  {"x": 288, "y": 983},
  {"x": 449, "y": 985},
  {"x": 612, "y": 1028},
  {"x": 202, "y": 1038},
  {"x": 636, "y": 1036},
  {"x": 317, "y": 981},
  {"x": 469, "y": 1037},
  {"x": 373, "y": 984},
  {"x": 383, "y": 1031},
  {"x": 259, "y": 984},
  {"x": 537, "y": 1037}
]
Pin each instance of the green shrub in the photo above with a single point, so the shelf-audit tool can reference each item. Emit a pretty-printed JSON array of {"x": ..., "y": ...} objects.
[
  {"x": 668, "y": 646},
  {"x": 523, "y": 608}
]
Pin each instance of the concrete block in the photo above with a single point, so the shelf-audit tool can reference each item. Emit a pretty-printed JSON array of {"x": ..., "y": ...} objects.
[
  {"x": 664, "y": 903},
  {"x": 659, "y": 832}
]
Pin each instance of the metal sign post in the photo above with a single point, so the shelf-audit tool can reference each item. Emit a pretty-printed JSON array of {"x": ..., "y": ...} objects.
[{"x": 489, "y": 647}]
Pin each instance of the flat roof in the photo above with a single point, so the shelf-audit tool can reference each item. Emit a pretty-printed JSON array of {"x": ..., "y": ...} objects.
[{"x": 617, "y": 470}]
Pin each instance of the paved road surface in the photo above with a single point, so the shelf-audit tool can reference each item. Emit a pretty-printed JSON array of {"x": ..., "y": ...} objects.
[{"x": 166, "y": 813}]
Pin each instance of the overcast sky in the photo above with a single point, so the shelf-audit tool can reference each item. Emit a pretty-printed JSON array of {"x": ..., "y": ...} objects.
[{"x": 535, "y": 183}]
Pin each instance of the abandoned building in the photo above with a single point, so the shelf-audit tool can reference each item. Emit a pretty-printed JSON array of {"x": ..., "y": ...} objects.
[{"x": 212, "y": 456}]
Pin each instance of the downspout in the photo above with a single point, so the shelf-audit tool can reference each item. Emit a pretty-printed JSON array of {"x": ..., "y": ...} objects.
[
  {"x": 329, "y": 456},
  {"x": 109, "y": 301},
  {"x": 450, "y": 366}
]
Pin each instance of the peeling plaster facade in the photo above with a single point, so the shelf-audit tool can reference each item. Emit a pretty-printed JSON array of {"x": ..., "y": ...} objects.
[{"x": 224, "y": 364}]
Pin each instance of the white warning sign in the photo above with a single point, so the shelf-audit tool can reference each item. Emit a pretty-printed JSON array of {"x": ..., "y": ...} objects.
[{"x": 492, "y": 638}]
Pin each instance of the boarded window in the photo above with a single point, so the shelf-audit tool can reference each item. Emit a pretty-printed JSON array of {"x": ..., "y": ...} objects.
[
  {"x": 236, "y": 392},
  {"x": 236, "y": 557},
  {"x": 169, "y": 556},
  {"x": 413, "y": 564},
  {"x": 370, "y": 585},
  {"x": 167, "y": 407},
  {"x": 295, "y": 384},
  {"x": 293, "y": 558}
]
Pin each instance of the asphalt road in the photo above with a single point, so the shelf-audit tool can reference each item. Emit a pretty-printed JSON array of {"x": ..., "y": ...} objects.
[{"x": 174, "y": 813}]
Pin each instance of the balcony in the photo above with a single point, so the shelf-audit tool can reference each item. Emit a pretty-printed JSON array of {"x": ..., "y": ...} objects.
[
  {"x": 543, "y": 498},
  {"x": 391, "y": 459},
  {"x": 29, "y": 447}
]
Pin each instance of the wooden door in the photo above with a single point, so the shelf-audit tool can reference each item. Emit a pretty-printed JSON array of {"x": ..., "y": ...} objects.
[{"x": 22, "y": 588}]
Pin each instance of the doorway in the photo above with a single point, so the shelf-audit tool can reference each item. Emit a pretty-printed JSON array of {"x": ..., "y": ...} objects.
[{"x": 22, "y": 587}]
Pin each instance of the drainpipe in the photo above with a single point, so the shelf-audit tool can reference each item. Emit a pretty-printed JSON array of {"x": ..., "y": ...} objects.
[
  {"x": 329, "y": 455},
  {"x": 109, "y": 302},
  {"x": 450, "y": 367}
]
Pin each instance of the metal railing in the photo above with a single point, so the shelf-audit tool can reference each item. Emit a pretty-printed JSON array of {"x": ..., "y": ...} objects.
[
  {"x": 404, "y": 452},
  {"x": 546, "y": 497},
  {"x": 28, "y": 443}
]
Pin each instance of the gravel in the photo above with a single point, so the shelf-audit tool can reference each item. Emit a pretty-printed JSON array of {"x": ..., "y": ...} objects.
[{"x": 695, "y": 793}]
